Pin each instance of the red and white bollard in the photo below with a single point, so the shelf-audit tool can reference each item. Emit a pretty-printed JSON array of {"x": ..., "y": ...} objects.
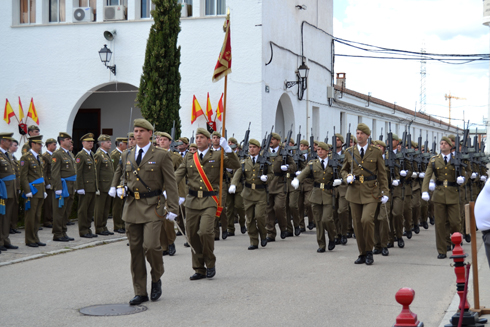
[{"x": 406, "y": 318}]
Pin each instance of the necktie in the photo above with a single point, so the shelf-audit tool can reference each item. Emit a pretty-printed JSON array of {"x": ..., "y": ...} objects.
[
  {"x": 7, "y": 154},
  {"x": 200, "y": 156},
  {"x": 37, "y": 157},
  {"x": 182, "y": 154},
  {"x": 140, "y": 156},
  {"x": 445, "y": 160},
  {"x": 253, "y": 161},
  {"x": 323, "y": 164},
  {"x": 362, "y": 153},
  {"x": 273, "y": 151}
]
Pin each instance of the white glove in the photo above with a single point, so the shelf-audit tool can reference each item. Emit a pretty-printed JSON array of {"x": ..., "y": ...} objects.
[
  {"x": 232, "y": 189},
  {"x": 82, "y": 191},
  {"x": 224, "y": 144},
  {"x": 403, "y": 173},
  {"x": 263, "y": 178},
  {"x": 295, "y": 183},
  {"x": 395, "y": 182},
  {"x": 171, "y": 216},
  {"x": 421, "y": 175},
  {"x": 112, "y": 192},
  {"x": 29, "y": 195},
  {"x": 415, "y": 175},
  {"x": 298, "y": 172},
  {"x": 181, "y": 200},
  {"x": 460, "y": 180},
  {"x": 337, "y": 182},
  {"x": 119, "y": 192},
  {"x": 97, "y": 193},
  {"x": 425, "y": 196},
  {"x": 384, "y": 199},
  {"x": 229, "y": 170},
  {"x": 45, "y": 195},
  {"x": 165, "y": 194},
  {"x": 432, "y": 185},
  {"x": 284, "y": 167},
  {"x": 473, "y": 175},
  {"x": 483, "y": 178},
  {"x": 48, "y": 187},
  {"x": 58, "y": 192},
  {"x": 350, "y": 179}
]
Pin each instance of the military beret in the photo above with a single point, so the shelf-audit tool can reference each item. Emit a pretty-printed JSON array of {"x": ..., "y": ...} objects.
[
  {"x": 315, "y": 142},
  {"x": 64, "y": 135},
  {"x": 304, "y": 142},
  {"x": 414, "y": 144},
  {"x": 49, "y": 141},
  {"x": 364, "y": 128},
  {"x": 218, "y": 134},
  {"x": 341, "y": 138},
  {"x": 6, "y": 136},
  {"x": 14, "y": 140},
  {"x": 379, "y": 142},
  {"x": 131, "y": 134},
  {"x": 448, "y": 140},
  {"x": 233, "y": 140},
  {"x": 143, "y": 123},
  {"x": 353, "y": 138},
  {"x": 193, "y": 145},
  {"x": 254, "y": 142},
  {"x": 33, "y": 128},
  {"x": 395, "y": 137},
  {"x": 324, "y": 146},
  {"x": 89, "y": 137},
  {"x": 204, "y": 132},
  {"x": 452, "y": 137},
  {"x": 184, "y": 140},
  {"x": 36, "y": 139},
  {"x": 122, "y": 139},
  {"x": 165, "y": 134},
  {"x": 276, "y": 136},
  {"x": 103, "y": 137},
  {"x": 291, "y": 140}
]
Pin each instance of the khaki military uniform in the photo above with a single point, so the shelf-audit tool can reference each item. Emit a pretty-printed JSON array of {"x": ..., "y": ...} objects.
[
  {"x": 424, "y": 205},
  {"x": 117, "y": 202},
  {"x": 365, "y": 192},
  {"x": 234, "y": 204},
  {"x": 86, "y": 180},
  {"x": 48, "y": 202},
  {"x": 104, "y": 175},
  {"x": 416, "y": 197},
  {"x": 254, "y": 197},
  {"x": 15, "y": 213},
  {"x": 200, "y": 207},
  {"x": 401, "y": 205},
  {"x": 304, "y": 205},
  {"x": 63, "y": 166},
  {"x": 7, "y": 169},
  {"x": 222, "y": 220},
  {"x": 383, "y": 217},
  {"x": 445, "y": 199},
  {"x": 25, "y": 148},
  {"x": 321, "y": 199},
  {"x": 341, "y": 211},
  {"x": 144, "y": 211},
  {"x": 31, "y": 170}
]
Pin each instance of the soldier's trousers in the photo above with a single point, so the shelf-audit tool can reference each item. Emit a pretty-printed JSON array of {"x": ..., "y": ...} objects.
[
  {"x": 102, "y": 206},
  {"x": 431, "y": 206},
  {"x": 223, "y": 218},
  {"x": 416, "y": 198},
  {"x": 446, "y": 222},
  {"x": 48, "y": 208},
  {"x": 341, "y": 214},
  {"x": 167, "y": 234},
  {"x": 424, "y": 211},
  {"x": 407, "y": 213},
  {"x": 5, "y": 221},
  {"x": 397, "y": 218},
  {"x": 234, "y": 205},
  {"x": 144, "y": 240},
  {"x": 462, "y": 220},
  {"x": 199, "y": 229},
  {"x": 14, "y": 218},
  {"x": 363, "y": 218},
  {"x": 61, "y": 216},
  {"x": 256, "y": 217},
  {"x": 323, "y": 215},
  {"x": 86, "y": 206},
  {"x": 293, "y": 205},
  {"x": 117, "y": 208},
  {"x": 32, "y": 220},
  {"x": 276, "y": 209},
  {"x": 381, "y": 228},
  {"x": 304, "y": 204}
]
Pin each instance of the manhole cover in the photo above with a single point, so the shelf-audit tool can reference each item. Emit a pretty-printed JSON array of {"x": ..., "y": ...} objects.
[{"x": 112, "y": 309}]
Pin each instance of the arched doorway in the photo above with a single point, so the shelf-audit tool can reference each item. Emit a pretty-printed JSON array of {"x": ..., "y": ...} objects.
[
  {"x": 284, "y": 116},
  {"x": 106, "y": 109}
]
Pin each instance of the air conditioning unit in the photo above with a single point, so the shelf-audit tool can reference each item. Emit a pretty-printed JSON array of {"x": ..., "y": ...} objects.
[
  {"x": 184, "y": 11},
  {"x": 115, "y": 13},
  {"x": 83, "y": 14}
]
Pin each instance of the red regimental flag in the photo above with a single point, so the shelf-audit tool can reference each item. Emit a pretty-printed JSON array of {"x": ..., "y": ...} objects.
[{"x": 223, "y": 66}]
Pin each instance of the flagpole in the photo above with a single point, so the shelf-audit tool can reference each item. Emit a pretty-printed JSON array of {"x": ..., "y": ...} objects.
[{"x": 222, "y": 152}]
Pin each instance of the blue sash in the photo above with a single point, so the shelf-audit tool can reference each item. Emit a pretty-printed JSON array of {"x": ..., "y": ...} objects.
[
  {"x": 3, "y": 192},
  {"x": 33, "y": 191},
  {"x": 64, "y": 191}
]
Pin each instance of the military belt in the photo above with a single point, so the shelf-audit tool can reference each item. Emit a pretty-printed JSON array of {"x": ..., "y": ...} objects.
[
  {"x": 139, "y": 195},
  {"x": 202, "y": 194},
  {"x": 446, "y": 183},
  {"x": 323, "y": 186},
  {"x": 255, "y": 186},
  {"x": 366, "y": 179},
  {"x": 485, "y": 232}
]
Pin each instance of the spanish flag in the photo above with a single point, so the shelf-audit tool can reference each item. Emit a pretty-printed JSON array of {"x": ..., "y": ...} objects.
[
  {"x": 21, "y": 111},
  {"x": 32, "y": 112},
  {"x": 223, "y": 66},
  {"x": 9, "y": 112},
  {"x": 196, "y": 110},
  {"x": 219, "y": 111},
  {"x": 209, "y": 109}
]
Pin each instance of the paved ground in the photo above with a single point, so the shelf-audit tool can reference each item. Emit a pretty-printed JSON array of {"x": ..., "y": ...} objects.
[{"x": 284, "y": 284}]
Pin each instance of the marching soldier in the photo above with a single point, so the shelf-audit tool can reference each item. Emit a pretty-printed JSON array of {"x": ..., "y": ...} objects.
[
  {"x": 424, "y": 205},
  {"x": 31, "y": 177},
  {"x": 32, "y": 130},
  {"x": 222, "y": 220},
  {"x": 202, "y": 170},
  {"x": 86, "y": 185},
  {"x": 183, "y": 147},
  {"x": 292, "y": 210},
  {"x": 364, "y": 171},
  {"x": 146, "y": 170},
  {"x": 381, "y": 226},
  {"x": 63, "y": 177},
  {"x": 416, "y": 193},
  {"x": 322, "y": 196},
  {"x": 48, "y": 202},
  {"x": 341, "y": 212},
  {"x": 15, "y": 214},
  {"x": 254, "y": 195},
  {"x": 234, "y": 201},
  {"x": 350, "y": 226},
  {"x": 104, "y": 174},
  {"x": 306, "y": 186},
  {"x": 117, "y": 202},
  {"x": 441, "y": 169},
  {"x": 7, "y": 191}
]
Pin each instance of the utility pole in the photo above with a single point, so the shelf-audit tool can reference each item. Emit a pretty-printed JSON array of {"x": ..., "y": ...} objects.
[
  {"x": 449, "y": 97},
  {"x": 423, "y": 73}
]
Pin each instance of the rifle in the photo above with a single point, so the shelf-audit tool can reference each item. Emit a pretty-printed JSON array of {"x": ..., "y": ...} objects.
[
  {"x": 426, "y": 154},
  {"x": 326, "y": 139},
  {"x": 123, "y": 175},
  {"x": 467, "y": 153},
  {"x": 264, "y": 140},
  {"x": 192, "y": 138},
  {"x": 347, "y": 139},
  {"x": 417, "y": 157},
  {"x": 335, "y": 162},
  {"x": 434, "y": 146},
  {"x": 381, "y": 136},
  {"x": 285, "y": 152},
  {"x": 243, "y": 152},
  {"x": 390, "y": 161},
  {"x": 312, "y": 155},
  {"x": 402, "y": 157},
  {"x": 173, "y": 143},
  {"x": 263, "y": 158},
  {"x": 297, "y": 156},
  {"x": 457, "y": 159}
]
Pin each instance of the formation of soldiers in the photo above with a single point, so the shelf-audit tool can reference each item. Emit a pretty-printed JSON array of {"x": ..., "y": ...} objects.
[{"x": 376, "y": 191}]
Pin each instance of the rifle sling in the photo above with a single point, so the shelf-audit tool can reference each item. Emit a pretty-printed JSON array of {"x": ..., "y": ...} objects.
[
  {"x": 360, "y": 166},
  {"x": 135, "y": 172}
]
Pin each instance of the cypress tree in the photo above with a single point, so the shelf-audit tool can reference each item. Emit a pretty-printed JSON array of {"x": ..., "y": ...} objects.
[{"x": 159, "y": 92}]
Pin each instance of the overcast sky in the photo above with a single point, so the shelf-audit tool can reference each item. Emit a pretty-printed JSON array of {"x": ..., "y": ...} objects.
[{"x": 446, "y": 26}]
